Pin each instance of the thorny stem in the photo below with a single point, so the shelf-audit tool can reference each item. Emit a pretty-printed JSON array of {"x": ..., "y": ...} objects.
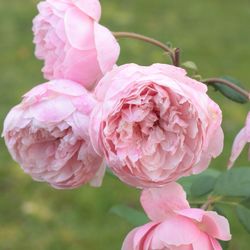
[
  {"x": 173, "y": 53},
  {"x": 212, "y": 81}
]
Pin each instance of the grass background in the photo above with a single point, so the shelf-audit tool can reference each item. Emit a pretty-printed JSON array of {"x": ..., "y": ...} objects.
[{"x": 214, "y": 34}]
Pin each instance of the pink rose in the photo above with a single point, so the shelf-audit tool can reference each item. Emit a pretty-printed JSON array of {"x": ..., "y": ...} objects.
[
  {"x": 72, "y": 43},
  {"x": 47, "y": 134},
  {"x": 154, "y": 124},
  {"x": 174, "y": 225},
  {"x": 240, "y": 141}
]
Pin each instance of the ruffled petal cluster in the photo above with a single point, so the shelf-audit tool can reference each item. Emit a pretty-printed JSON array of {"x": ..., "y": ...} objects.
[
  {"x": 47, "y": 134},
  {"x": 154, "y": 124}
]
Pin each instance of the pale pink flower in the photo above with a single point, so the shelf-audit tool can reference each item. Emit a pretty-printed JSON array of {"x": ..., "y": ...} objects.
[
  {"x": 240, "y": 141},
  {"x": 47, "y": 134},
  {"x": 154, "y": 124},
  {"x": 72, "y": 43},
  {"x": 174, "y": 225}
]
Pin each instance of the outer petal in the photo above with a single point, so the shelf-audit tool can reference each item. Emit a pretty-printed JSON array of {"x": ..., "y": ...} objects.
[
  {"x": 210, "y": 222},
  {"x": 107, "y": 48},
  {"x": 203, "y": 242},
  {"x": 216, "y": 226},
  {"x": 176, "y": 230},
  {"x": 240, "y": 141},
  {"x": 13, "y": 118},
  {"x": 128, "y": 243},
  {"x": 94, "y": 129},
  {"x": 136, "y": 238},
  {"x": 97, "y": 180},
  {"x": 79, "y": 29},
  {"x": 216, "y": 245},
  {"x": 54, "y": 110},
  {"x": 77, "y": 62},
  {"x": 90, "y": 7},
  {"x": 238, "y": 145},
  {"x": 159, "y": 203}
]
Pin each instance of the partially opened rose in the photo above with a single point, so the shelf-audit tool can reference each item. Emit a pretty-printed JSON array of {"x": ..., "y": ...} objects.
[
  {"x": 174, "y": 225},
  {"x": 47, "y": 134},
  {"x": 240, "y": 141},
  {"x": 72, "y": 43},
  {"x": 154, "y": 124}
]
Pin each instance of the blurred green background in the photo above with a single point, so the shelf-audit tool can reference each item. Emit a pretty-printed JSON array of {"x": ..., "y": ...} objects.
[{"x": 215, "y": 34}]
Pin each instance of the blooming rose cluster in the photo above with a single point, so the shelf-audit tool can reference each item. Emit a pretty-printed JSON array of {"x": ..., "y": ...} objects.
[{"x": 151, "y": 125}]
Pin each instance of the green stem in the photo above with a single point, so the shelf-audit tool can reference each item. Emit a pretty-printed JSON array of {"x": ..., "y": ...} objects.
[{"x": 173, "y": 53}]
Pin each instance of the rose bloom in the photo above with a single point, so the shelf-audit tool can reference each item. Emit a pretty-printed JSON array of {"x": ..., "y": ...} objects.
[
  {"x": 154, "y": 124},
  {"x": 174, "y": 225},
  {"x": 47, "y": 134},
  {"x": 72, "y": 43},
  {"x": 240, "y": 141}
]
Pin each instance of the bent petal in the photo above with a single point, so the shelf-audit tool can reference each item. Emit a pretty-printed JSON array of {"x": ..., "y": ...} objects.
[
  {"x": 209, "y": 222},
  {"x": 216, "y": 226}
]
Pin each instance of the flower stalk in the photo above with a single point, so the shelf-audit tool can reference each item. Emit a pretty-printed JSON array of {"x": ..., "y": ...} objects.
[{"x": 174, "y": 53}]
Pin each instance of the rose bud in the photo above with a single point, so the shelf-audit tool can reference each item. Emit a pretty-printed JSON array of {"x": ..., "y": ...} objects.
[
  {"x": 174, "y": 225},
  {"x": 154, "y": 124},
  {"x": 72, "y": 43},
  {"x": 47, "y": 134}
]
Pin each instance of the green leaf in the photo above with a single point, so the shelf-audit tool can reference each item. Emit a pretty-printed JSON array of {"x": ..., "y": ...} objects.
[
  {"x": 132, "y": 215},
  {"x": 187, "y": 182},
  {"x": 243, "y": 215},
  {"x": 234, "y": 182},
  {"x": 231, "y": 93},
  {"x": 221, "y": 209},
  {"x": 202, "y": 185},
  {"x": 190, "y": 65},
  {"x": 246, "y": 203},
  {"x": 224, "y": 244}
]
